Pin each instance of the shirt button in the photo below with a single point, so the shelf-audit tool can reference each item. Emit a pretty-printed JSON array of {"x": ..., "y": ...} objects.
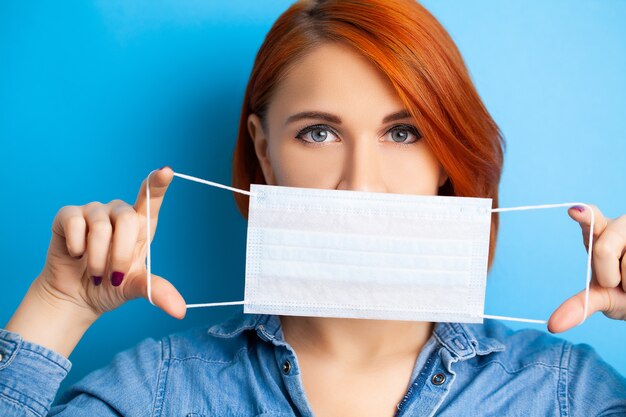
[
  {"x": 286, "y": 367},
  {"x": 438, "y": 378}
]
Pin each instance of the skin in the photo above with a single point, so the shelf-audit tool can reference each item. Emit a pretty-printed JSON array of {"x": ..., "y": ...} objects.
[{"x": 344, "y": 356}]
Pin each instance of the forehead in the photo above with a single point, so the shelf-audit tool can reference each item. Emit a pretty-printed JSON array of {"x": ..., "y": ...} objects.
[{"x": 334, "y": 77}]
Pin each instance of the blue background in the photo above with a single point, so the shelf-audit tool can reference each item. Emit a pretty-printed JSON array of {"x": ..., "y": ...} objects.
[{"x": 94, "y": 95}]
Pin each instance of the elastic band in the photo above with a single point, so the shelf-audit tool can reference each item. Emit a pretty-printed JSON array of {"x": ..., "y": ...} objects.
[
  {"x": 588, "y": 280},
  {"x": 225, "y": 303},
  {"x": 214, "y": 184},
  {"x": 488, "y": 316},
  {"x": 148, "y": 260}
]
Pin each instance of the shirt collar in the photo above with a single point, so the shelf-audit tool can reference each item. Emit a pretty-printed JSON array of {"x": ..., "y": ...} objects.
[
  {"x": 267, "y": 327},
  {"x": 463, "y": 341}
]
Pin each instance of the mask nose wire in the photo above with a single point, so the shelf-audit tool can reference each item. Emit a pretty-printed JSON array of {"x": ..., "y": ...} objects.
[
  {"x": 590, "y": 250},
  {"x": 148, "y": 242}
]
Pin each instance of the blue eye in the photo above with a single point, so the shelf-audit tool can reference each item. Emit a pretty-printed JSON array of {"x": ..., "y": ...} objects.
[
  {"x": 404, "y": 134},
  {"x": 315, "y": 134}
]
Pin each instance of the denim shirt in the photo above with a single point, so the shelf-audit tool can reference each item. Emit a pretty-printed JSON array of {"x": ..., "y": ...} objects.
[{"x": 243, "y": 367}]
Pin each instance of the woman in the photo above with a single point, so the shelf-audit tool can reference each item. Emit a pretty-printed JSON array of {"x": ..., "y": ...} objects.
[{"x": 369, "y": 96}]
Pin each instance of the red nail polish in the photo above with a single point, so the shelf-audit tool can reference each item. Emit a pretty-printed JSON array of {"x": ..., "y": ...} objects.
[
  {"x": 117, "y": 278},
  {"x": 579, "y": 208}
]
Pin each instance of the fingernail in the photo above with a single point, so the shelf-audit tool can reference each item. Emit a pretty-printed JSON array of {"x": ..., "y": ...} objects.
[
  {"x": 117, "y": 278},
  {"x": 579, "y": 208},
  {"x": 164, "y": 166},
  {"x": 96, "y": 280}
]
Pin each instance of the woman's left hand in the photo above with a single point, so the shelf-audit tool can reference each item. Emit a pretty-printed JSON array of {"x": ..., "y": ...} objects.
[{"x": 607, "y": 290}]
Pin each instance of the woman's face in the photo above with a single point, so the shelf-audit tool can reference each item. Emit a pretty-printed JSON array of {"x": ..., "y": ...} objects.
[{"x": 335, "y": 122}]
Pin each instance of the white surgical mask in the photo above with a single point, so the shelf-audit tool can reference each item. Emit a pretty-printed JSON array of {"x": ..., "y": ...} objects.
[{"x": 354, "y": 254}]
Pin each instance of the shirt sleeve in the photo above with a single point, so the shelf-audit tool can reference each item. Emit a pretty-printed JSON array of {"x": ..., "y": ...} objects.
[
  {"x": 31, "y": 376},
  {"x": 127, "y": 386},
  {"x": 594, "y": 388}
]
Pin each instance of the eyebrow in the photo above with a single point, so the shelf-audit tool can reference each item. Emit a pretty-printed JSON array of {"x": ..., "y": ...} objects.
[{"x": 403, "y": 114}]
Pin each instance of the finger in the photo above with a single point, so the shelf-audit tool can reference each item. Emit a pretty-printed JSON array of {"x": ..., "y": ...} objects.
[
  {"x": 70, "y": 225},
  {"x": 570, "y": 313},
  {"x": 620, "y": 227},
  {"x": 125, "y": 231},
  {"x": 623, "y": 268},
  {"x": 582, "y": 215},
  {"x": 159, "y": 181},
  {"x": 607, "y": 252},
  {"x": 98, "y": 239},
  {"x": 164, "y": 295}
]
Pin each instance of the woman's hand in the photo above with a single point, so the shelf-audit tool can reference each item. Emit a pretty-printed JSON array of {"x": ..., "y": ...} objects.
[
  {"x": 96, "y": 258},
  {"x": 607, "y": 291},
  {"x": 95, "y": 263}
]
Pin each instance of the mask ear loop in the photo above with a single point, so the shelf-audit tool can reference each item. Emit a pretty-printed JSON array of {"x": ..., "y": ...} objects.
[
  {"x": 148, "y": 228},
  {"x": 588, "y": 280}
]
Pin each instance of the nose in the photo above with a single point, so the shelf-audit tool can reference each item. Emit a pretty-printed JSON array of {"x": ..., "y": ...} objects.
[{"x": 362, "y": 167}]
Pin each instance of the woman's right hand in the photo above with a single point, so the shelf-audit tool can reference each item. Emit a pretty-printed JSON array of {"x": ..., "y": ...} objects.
[
  {"x": 96, "y": 258},
  {"x": 94, "y": 240}
]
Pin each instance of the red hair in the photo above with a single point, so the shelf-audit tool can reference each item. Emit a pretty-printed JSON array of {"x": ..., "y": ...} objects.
[{"x": 415, "y": 52}]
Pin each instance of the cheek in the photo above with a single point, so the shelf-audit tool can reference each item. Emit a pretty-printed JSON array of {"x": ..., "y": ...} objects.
[{"x": 298, "y": 165}]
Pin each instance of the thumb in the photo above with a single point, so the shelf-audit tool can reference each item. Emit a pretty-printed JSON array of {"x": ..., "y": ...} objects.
[
  {"x": 570, "y": 313},
  {"x": 164, "y": 295}
]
